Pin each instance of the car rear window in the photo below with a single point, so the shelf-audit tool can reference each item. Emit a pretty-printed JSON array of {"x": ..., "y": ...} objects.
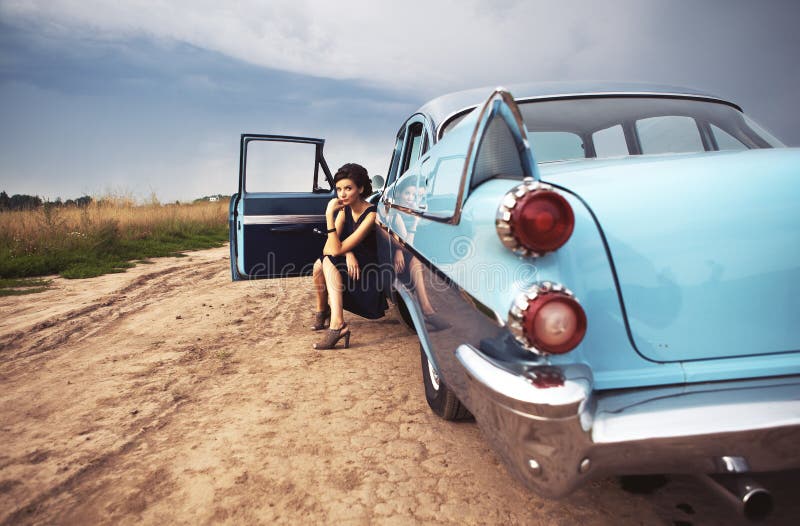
[{"x": 595, "y": 126}]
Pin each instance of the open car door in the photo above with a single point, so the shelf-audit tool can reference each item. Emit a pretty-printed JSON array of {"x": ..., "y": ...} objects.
[{"x": 284, "y": 187}]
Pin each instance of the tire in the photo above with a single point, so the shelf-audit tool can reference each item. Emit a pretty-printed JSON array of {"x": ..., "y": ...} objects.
[{"x": 440, "y": 398}]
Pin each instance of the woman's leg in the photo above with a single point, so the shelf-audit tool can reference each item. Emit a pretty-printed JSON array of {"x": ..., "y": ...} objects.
[
  {"x": 418, "y": 279},
  {"x": 333, "y": 280},
  {"x": 320, "y": 287}
]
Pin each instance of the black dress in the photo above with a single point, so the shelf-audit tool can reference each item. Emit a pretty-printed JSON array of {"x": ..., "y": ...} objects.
[{"x": 362, "y": 296}]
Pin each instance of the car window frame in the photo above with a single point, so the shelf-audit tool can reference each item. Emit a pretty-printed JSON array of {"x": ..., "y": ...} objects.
[
  {"x": 404, "y": 163},
  {"x": 488, "y": 110}
]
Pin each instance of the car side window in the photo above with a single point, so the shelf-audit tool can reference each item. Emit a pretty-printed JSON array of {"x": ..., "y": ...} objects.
[
  {"x": 610, "y": 142},
  {"x": 277, "y": 166},
  {"x": 726, "y": 141},
  {"x": 669, "y": 134},
  {"x": 556, "y": 146}
]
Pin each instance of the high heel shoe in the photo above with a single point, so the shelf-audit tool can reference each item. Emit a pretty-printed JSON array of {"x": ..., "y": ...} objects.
[
  {"x": 321, "y": 318},
  {"x": 436, "y": 322},
  {"x": 332, "y": 337}
]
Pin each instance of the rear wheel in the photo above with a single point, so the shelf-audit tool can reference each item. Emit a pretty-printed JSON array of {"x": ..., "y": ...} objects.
[{"x": 440, "y": 398}]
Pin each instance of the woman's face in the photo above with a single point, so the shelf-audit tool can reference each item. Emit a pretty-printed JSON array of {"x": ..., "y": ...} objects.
[
  {"x": 408, "y": 197},
  {"x": 347, "y": 191}
]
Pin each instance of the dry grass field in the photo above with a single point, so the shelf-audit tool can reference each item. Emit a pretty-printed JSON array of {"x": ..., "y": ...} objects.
[{"x": 103, "y": 237}]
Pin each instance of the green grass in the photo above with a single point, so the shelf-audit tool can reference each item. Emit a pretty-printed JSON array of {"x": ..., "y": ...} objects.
[
  {"x": 108, "y": 250},
  {"x": 19, "y": 287}
]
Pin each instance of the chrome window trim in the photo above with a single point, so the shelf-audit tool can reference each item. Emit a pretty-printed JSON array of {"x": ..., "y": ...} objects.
[
  {"x": 506, "y": 97},
  {"x": 469, "y": 161},
  {"x": 281, "y": 219},
  {"x": 426, "y": 130},
  {"x": 600, "y": 94}
]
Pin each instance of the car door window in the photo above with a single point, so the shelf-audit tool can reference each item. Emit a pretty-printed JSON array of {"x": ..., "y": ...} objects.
[
  {"x": 413, "y": 145},
  {"x": 394, "y": 165},
  {"x": 669, "y": 134},
  {"x": 412, "y": 142},
  {"x": 280, "y": 167}
]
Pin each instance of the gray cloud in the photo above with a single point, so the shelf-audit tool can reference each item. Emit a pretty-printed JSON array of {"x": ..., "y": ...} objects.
[{"x": 156, "y": 93}]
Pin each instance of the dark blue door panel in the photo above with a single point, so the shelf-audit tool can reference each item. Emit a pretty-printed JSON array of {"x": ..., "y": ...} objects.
[
  {"x": 281, "y": 251},
  {"x": 272, "y": 234}
]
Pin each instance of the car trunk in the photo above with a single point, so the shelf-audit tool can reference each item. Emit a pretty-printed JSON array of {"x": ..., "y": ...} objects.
[{"x": 706, "y": 248}]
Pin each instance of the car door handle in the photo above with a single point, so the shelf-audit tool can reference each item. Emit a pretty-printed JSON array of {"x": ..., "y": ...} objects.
[{"x": 288, "y": 228}]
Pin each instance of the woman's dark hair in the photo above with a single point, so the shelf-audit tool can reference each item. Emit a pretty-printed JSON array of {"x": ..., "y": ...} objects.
[
  {"x": 357, "y": 174},
  {"x": 405, "y": 182}
]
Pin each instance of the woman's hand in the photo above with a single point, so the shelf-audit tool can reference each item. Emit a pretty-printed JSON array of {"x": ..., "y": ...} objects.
[
  {"x": 353, "y": 270},
  {"x": 399, "y": 261},
  {"x": 334, "y": 205}
]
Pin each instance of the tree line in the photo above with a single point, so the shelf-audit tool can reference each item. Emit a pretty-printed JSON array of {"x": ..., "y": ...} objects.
[{"x": 29, "y": 202}]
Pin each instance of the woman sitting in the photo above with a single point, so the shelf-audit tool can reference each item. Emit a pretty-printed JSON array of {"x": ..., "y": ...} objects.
[{"x": 346, "y": 276}]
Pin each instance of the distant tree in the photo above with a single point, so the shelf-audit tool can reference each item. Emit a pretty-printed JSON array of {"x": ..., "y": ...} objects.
[
  {"x": 24, "y": 202},
  {"x": 5, "y": 201}
]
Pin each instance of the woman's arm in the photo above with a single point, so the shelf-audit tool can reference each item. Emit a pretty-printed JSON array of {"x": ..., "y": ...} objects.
[
  {"x": 406, "y": 231},
  {"x": 334, "y": 247},
  {"x": 333, "y": 237}
]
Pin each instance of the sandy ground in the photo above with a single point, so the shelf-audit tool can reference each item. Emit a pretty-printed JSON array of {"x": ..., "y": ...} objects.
[{"x": 169, "y": 394}]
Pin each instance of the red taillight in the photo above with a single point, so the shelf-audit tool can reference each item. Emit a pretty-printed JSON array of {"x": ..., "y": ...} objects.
[
  {"x": 542, "y": 221},
  {"x": 533, "y": 219},
  {"x": 548, "y": 319}
]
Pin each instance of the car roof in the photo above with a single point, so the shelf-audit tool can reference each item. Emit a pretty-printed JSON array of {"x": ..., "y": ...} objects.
[{"x": 442, "y": 108}]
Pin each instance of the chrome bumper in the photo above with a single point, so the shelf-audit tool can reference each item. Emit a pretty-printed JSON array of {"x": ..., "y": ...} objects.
[{"x": 556, "y": 438}]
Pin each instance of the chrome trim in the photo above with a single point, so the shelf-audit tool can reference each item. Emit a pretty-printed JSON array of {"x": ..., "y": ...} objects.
[
  {"x": 575, "y": 433},
  {"x": 419, "y": 322},
  {"x": 441, "y": 218},
  {"x": 519, "y": 393},
  {"x": 520, "y": 304},
  {"x": 427, "y": 126},
  {"x": 282, "y": 219},
  {"x": 755, "y": 404},
  {"x": 502, "y": 220},
  {"x": 469, "y": 159},
  {"x": 523, "y": 100},
  {"x": 729, "y": 464}
]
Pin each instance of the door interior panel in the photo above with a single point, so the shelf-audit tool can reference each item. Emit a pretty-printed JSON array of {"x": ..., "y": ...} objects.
[{"x": 274, "y": 232}]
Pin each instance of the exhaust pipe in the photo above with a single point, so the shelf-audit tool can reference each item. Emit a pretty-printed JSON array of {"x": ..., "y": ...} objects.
[{"x": 749, "y": 497}]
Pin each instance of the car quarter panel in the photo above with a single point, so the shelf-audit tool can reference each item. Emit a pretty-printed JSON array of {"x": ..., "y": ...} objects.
[
  {"x": 705, "y": 248},
  {"x": 478, "y": 274}
]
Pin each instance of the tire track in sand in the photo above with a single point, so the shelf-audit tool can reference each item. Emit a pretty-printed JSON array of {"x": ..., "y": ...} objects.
[{"x": 102, "y": 314}]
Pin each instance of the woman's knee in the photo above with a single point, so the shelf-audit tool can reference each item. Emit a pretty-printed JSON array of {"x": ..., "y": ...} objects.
[{"x": 331, "y": 273}]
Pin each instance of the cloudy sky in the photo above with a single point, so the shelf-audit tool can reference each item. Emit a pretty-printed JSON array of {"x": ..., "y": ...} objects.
[{"x": 138, "y": 96}]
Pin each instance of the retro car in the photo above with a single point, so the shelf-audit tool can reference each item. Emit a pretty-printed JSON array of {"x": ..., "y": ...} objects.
[{"x": 607, "y": 277}]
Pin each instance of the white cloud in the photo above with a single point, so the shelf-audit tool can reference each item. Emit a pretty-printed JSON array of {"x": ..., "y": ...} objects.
[{"x": 417, "y": 45}]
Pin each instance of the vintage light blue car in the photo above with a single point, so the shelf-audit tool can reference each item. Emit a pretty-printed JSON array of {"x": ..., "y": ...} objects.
[{"x": 607, "y": 277}]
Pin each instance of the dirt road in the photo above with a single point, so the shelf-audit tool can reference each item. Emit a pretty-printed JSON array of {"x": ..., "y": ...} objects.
[{"x": 169, "y": 394}]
